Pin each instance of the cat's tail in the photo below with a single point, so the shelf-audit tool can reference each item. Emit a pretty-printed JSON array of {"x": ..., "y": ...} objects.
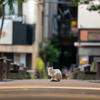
[{"x": 58, "y": 76}]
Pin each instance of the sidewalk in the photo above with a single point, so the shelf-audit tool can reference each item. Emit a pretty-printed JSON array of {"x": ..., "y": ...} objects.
[{"x": 93, "y": 81}]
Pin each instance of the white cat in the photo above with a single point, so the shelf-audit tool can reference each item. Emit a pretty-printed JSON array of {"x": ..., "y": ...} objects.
[{"x": 54, "y": 73}]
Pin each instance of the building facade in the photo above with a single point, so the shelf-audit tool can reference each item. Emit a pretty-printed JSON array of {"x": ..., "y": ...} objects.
[
  {"x": 31, "y": 27},
  {"x": 88, "y": 37},
  {"x": 61, "y": 22},
  {"x": 22, "y": 33}
]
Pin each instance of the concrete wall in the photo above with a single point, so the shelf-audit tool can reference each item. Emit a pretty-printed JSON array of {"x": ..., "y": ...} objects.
[
  {"x": 50, "y": 9},
  {"x": 39, "y": 29},
  {"x": 7, "y": 28},
  {"x": 86, "y": 76},
  {"x": 33, "y": 9},
  {"x": 30, "y": 11},
  {"x": 91, "y": 51},
  {"x": 88, "y": 19},
  {"x": 21, "y": 74}
]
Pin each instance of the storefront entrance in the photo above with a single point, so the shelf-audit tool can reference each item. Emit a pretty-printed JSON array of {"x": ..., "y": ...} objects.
[{"x": 68, "y": 56}]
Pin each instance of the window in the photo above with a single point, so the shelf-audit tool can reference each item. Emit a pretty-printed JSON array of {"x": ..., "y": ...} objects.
[{"x": 17, "y": 9}]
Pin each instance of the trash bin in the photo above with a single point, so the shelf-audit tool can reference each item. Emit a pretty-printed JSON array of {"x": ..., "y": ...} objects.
[
  {"x": 98, "y": 70},
  {"x": 1, "y": 68}
]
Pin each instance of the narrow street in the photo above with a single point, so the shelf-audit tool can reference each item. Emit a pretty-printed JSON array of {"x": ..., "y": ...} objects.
[{"x": 42, "y": 89}]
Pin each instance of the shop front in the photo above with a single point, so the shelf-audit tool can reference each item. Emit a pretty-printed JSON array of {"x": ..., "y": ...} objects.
[{"x": 88, "y": 48}]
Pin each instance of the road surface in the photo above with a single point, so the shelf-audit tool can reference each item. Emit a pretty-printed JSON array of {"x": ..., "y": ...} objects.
[{"x": 42, "y": 89}]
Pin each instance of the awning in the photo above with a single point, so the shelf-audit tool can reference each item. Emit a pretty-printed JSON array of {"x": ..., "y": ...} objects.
[{"x": 90, "y": 44}]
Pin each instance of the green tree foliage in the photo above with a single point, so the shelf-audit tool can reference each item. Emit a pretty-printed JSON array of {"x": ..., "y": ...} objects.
[
  {"x": 90, "y": 3},
  {"x": 10, "y": 3},
  {"x": 51, "y": 52}
]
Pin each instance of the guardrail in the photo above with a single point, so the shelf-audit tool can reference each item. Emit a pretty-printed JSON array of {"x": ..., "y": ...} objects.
[
  {"x": 98, "y": 70},
  {"x": 6, "y": 68},
  {"x": 1, "y": 68}
]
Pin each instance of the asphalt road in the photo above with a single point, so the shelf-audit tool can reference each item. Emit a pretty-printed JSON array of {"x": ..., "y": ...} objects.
[{"x": 44, "y": 90}]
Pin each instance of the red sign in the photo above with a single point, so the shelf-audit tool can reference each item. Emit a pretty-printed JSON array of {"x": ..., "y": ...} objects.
[
  {"x": 2, "y": 34},
  {"x": 95, "y": 36}
]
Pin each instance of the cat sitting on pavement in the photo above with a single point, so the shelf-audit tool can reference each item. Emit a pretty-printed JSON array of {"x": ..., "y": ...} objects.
[{"x": 55, "y": 74}]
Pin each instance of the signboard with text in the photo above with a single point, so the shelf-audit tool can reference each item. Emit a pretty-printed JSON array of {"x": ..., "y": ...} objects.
[{"x": 94, "y": 36}]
